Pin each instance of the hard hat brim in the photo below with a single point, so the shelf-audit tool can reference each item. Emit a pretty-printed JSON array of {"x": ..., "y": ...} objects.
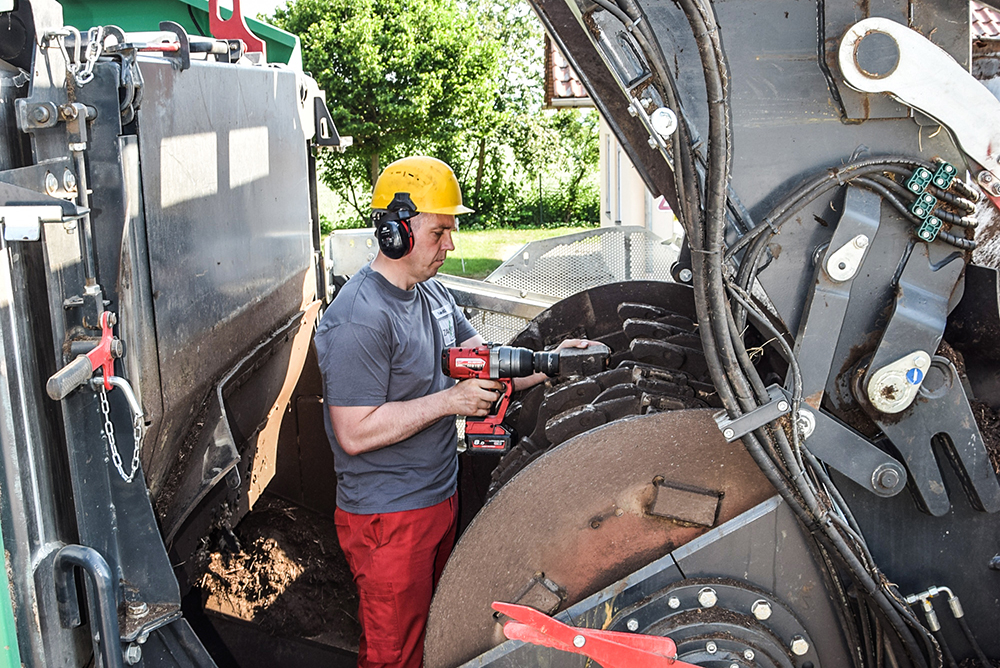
[{"x": 454, "y": 210}]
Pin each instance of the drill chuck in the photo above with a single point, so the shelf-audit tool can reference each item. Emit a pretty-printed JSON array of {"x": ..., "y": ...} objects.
[{"x": 520, "y": 362}]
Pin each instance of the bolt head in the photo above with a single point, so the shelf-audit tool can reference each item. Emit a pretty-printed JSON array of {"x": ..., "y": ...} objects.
[
  {"x": 40, "y": 114},
  {"x": 728, "y": 433},
  {"x": 673, "y": 602},
  {"x": 632, "y": 624},
  {"x": 51, "y": 183},
  {"x": 799, "y": 646},
  {"x": 782, "y": 405},
  {"x": 69, "y": 180},
  {"x": 632, "y": 111},
  {"x": 887, "y": 478},
  {"x": 133, "y": 654},
  {"x": 761, "y": 609},
  {"x": 579, "y": 641},
  {"x": 707, "y": 597},
  {"x": 711, "y": 647},
  {"x": 685, "y": 275},
  {"x": 985, "y": 177},
  {"x": 652, "y": 143},
  {"x": 748, "y": 654}
]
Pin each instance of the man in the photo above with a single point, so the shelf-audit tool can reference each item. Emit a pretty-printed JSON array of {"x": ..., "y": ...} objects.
[{"x": 391, "y": 409}]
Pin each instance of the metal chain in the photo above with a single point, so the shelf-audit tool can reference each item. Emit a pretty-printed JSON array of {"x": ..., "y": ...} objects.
[
  {"x": 109, "y": 434},
  {"x": 95, "y": 46},
  {"x": 74, "y": 65}
]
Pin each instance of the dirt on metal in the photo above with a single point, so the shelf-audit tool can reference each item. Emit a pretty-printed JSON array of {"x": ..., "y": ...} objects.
[{"x": 989, "y": 426}]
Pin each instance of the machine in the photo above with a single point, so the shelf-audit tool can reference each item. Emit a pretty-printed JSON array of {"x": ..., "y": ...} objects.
[
  {"x": 787, "y": 458},
  {"x": 792, "y": 459}
]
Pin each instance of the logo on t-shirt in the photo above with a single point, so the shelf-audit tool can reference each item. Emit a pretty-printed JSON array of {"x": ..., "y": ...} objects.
[{"x": 446, "y": 321}]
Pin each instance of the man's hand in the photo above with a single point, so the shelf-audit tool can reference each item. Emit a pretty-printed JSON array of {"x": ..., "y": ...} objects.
[
  {"x": 474, "y": 397},
  {"x": 574, "y": 343}
]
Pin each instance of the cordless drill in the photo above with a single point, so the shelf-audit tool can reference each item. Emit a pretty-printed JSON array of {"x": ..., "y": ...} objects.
[{"x": 492, "y": 362}]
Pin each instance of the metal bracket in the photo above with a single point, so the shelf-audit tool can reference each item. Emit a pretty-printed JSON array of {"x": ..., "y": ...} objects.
[
  {"x": 942, "y": 416},
  {"x": 924, "y": 76},
  {"x": 914, "y": 330},
  {"x": 755, "y": 419},
  {"x": 842, "y": 264},
  {"x": 24, "y": 223}
]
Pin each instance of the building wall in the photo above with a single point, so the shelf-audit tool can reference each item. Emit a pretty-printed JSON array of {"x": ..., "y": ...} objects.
[{"x": 625, "y": 200}]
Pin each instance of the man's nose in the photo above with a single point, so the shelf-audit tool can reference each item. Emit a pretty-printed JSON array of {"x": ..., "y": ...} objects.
[{"x": 447, "y": 243}]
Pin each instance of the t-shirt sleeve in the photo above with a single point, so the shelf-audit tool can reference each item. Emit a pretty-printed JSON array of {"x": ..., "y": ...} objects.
[{"x": 355, "y": 365}]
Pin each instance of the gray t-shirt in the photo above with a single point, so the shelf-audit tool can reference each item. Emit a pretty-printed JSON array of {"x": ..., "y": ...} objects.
[{"x": 378, "y": 343}]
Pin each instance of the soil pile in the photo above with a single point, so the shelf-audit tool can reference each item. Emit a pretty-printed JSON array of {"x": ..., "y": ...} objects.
[{"x": 286, "y": 574}]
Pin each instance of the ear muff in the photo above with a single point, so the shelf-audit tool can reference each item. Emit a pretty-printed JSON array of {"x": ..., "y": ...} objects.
[{"x": 392, "y": 227}]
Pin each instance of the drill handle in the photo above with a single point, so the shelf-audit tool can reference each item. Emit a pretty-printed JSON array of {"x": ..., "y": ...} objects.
[{"x": 499, "y": 409}]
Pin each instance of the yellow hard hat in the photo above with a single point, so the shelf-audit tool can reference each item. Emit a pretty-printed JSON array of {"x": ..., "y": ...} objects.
[{"x": 430, "y": 182}]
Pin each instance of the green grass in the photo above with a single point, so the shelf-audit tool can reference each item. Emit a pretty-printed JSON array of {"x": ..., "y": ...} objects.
[{"x": 478, "y": 252}]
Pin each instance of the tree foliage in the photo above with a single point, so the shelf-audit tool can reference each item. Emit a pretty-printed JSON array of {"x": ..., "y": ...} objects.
[{"x": 459, "y": 80}]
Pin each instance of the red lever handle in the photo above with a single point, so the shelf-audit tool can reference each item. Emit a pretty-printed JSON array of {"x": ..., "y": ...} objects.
[{"x": 611, "y": 649}]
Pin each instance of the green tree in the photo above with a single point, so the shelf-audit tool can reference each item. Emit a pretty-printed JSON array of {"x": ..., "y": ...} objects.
[
  {"x": 401, "y": 76},
  {"x": 457, "y": 79}
]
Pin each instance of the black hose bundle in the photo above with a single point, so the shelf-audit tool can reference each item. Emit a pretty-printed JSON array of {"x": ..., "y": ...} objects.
[{"x": 722, "y": 303}]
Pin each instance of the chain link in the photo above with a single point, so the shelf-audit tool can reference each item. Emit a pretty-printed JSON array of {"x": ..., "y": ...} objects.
[
  {"x": 95, "y": 46},
  {"x": 109, "y": 435}
]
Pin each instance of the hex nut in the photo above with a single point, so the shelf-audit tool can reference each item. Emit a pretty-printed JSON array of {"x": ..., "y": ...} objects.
[
  {"x": 632, "y": 624},
  {"x": 761, "y": 609},
  {"x": 133, "y": 654},
  {"x": 799, "y": 646},
  {"x": 748, "y": 654},
  {"x": 711, "y": 647},
  {"x": 674, "y": 602},
  {"x": 707, "y": 597}
]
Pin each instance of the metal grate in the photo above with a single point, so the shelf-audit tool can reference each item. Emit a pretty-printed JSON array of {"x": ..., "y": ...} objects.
[
  {"x": 562, "y": 266},
  {"x": 497, "y": 327}
]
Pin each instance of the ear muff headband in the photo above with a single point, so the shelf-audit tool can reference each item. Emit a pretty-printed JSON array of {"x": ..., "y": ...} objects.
[{"x": 392, "y": 227}]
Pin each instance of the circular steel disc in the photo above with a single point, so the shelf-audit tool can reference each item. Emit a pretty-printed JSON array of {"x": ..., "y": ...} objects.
[{"x": 579, "y": 515}]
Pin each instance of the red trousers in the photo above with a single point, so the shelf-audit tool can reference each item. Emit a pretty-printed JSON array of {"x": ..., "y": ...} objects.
[{"x": 396, "y": 559}]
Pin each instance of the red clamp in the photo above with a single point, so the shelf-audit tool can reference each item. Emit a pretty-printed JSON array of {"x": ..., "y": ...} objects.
[
  {"x": 235, "y": 27},
  {"x": 611, "y": 649},
  {"x": 103, "y": 356}
]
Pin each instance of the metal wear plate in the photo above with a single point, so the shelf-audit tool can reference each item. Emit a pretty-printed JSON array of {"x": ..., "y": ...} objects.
[{"x": 578, "y": 514}]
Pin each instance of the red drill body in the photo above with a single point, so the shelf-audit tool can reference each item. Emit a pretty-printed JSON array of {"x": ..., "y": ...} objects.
[{"x": 490, "y": 362}]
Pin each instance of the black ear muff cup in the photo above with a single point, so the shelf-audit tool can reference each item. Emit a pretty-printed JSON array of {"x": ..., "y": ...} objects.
[
  {"x": 395, "y": 239},
  {"x": 392, "y": 227}
]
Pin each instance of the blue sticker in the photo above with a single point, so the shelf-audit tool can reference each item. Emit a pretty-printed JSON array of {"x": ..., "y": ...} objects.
[{"x": 914, "y": 376}]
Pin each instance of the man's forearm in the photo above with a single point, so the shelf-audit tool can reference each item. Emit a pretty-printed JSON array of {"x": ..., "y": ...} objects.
[{"x": 386, "y": 424}]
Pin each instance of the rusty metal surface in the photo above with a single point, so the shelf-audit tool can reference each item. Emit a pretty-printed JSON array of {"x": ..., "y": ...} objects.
[{"x": 578, "y": 515}]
